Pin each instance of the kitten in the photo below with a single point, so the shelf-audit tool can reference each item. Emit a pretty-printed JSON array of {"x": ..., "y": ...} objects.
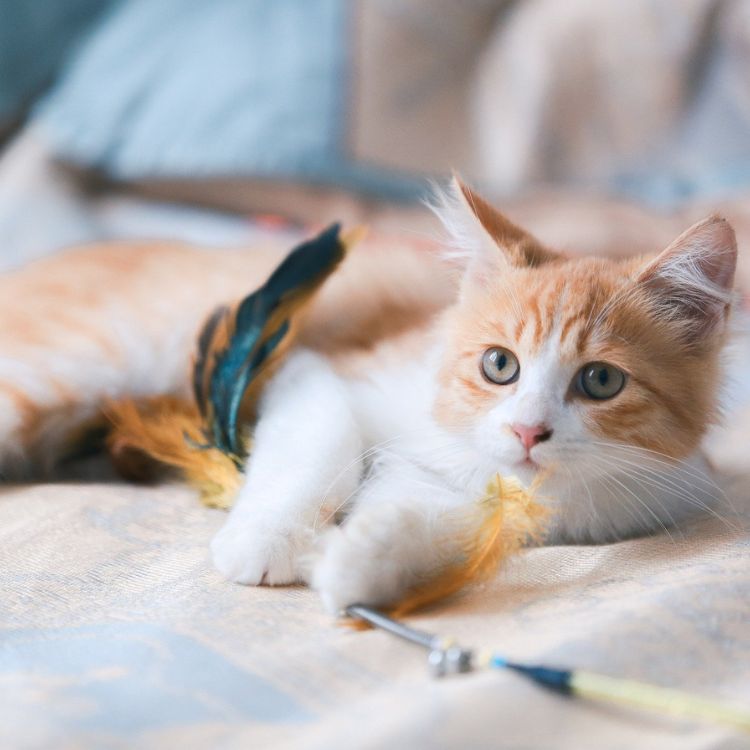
[
  {"x": 410, "y": 388},
  {"x": 601, "y": 375}
]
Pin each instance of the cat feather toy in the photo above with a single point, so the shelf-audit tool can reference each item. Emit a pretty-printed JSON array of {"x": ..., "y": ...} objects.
[{"x": 237, "y": 351}]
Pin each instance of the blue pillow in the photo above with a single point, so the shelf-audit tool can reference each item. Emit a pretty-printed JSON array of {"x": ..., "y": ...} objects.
[
  {"x": 227, "y": 88},
  {"x": 35, "y": 36}
]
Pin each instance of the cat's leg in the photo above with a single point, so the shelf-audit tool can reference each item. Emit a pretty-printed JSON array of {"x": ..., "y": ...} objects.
[
  {"x": 397, "y": 535},
  {"x": 305, "y": 463}
]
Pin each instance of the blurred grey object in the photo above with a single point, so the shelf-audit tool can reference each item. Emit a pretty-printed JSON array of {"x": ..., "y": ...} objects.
[
  {"x": 35, "y": 38},
  {"x": 210, "y": 100},
  {"x": 44, "y": 209},
  {"x": 648, "y": 97}
]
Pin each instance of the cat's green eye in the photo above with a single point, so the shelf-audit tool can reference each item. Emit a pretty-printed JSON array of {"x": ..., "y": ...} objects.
[
  {"x": 500, "y": 366},
  {"x": 600, "y": 381}
]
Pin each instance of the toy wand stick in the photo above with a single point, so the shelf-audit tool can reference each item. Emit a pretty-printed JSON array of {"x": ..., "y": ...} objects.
[{"x": 445, "y": 656}]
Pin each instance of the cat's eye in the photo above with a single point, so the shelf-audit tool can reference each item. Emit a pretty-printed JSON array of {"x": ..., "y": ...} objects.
[
  {"x": 600, "y": 381},
  {"x": 500, "y": 366}
]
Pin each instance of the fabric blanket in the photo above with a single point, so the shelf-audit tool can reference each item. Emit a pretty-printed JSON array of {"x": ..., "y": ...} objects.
[{"x": 115, "y": 632}]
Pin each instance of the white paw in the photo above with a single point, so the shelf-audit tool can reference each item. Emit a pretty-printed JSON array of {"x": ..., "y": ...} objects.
[
  {"x": 245, "y": 552},
  {"x": 369, "y": 560}
]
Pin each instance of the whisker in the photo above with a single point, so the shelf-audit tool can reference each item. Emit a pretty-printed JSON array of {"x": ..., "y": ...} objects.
[
  {"x": 633, "y": 510},
  {"x": 363, "y": 456},
  {"x": 645, "y": 505},
  {"x": 673, "y": 469},
  {"x": 594, "y": 515},
  {"x": 382, "y": 451},
  {"x": 659, "y": 458},
  {"x": 674, "y": 466},
  {"x": 642, "y": 483},
  {"x": 667, "y": 483},
  {"x": 642, "y": 473},
  {"x": 357, "y": 490}
]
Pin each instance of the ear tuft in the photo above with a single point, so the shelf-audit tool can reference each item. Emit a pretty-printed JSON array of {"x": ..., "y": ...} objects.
[
  {"x": 479, "y": 234},
  {"x": 692, "y": 279},
  {"x": 467, "y": 238}
]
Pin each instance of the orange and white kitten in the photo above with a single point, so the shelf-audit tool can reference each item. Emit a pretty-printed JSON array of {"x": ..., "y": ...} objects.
[
  {"x": 601, "y": 374},
  {"x": 410, "y": 391}
]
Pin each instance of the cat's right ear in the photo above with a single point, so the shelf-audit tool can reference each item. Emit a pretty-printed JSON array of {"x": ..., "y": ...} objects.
[
  {"x": 482, "y": 238},
  {"x": 691, "y": 282}
]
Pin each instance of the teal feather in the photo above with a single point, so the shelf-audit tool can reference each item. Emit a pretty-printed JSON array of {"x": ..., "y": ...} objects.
[
  {"x": 204, "y": 342},
  {"x": 234, "y": 367}
]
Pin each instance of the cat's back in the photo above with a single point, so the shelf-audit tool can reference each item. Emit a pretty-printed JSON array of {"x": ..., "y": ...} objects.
[{"x": 152, "y": 283}]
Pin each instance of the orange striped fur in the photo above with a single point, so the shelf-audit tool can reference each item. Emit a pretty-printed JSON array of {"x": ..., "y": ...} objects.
[{"x": 588, "y": 309}]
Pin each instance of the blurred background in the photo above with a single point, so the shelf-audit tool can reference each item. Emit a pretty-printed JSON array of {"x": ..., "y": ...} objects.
[{"x": 604, "y": 125}]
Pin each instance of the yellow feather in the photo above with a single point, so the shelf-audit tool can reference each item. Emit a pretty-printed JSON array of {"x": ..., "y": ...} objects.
[
  {"x": 169, "y": 431},
  {"x": 504, "y": 520}
]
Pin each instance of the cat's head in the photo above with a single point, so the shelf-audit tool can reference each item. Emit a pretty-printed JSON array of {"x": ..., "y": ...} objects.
[{"x": 550, "y": 359}]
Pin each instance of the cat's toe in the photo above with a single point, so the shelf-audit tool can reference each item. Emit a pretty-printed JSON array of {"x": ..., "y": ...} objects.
[
  {"x": 358, "y": 567},
  {"x": 338, "y": 579},
  {"x": 253, "y": 557},
  {"x": 234, "y": 557}
]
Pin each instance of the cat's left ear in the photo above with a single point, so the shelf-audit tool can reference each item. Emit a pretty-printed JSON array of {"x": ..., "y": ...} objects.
[
  {"x": 691, "y": 281},
  {"x": 487, "y": 240}
]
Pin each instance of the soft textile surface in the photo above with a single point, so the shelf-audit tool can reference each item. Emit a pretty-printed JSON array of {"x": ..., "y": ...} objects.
[{"x": 116, "y": 632}]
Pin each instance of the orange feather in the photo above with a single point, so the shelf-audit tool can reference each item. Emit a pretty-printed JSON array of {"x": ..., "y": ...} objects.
[
  {"x": 503, "y": 521},
  {"x": 169, "y": 430}
]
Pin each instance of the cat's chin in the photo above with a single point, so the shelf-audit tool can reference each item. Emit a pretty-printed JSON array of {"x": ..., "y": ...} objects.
[{"x": 526, "y": 471}]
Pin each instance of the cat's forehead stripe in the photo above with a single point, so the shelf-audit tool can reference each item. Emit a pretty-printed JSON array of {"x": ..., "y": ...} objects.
[
  {"x": 563, "y": 306},
  {"x": 547, "y": 314}
]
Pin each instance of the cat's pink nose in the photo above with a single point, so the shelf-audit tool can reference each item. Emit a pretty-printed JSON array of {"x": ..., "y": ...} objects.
[{"x": 530, "y": 435}]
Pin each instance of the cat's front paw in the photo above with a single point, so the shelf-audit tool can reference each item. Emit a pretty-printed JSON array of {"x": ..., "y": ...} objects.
[
  {"x": 369, "y": 560},
  {"x": 245, "y": 552}
]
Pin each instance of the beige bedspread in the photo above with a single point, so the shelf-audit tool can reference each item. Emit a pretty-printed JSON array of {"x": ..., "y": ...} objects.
[{"x": 116, "y": 632}]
